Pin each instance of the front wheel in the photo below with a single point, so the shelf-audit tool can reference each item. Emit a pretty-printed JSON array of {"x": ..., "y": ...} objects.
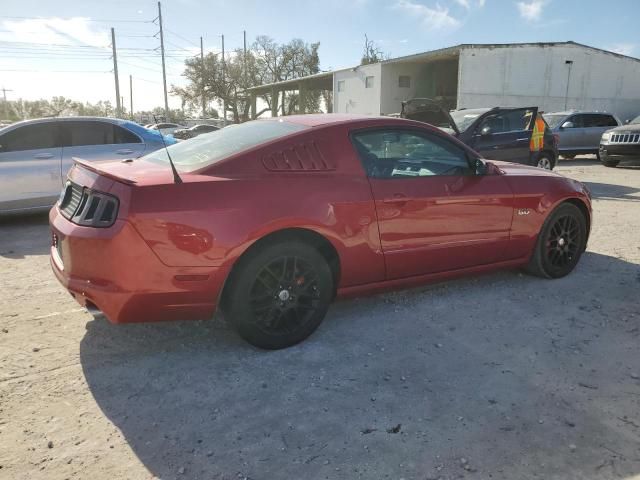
[
  {"x": 610, "y": 163},
  {"x": 560, "y": 244},
  {"x": 545, "y": 162},
  {"x": 279, "y": 295}
]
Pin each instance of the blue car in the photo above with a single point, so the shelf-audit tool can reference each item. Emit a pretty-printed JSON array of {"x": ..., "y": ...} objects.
[{"x": 35, "y": 155}]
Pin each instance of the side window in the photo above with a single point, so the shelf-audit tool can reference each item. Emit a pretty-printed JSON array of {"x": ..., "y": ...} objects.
[
  {"x": 368, "y": 82},
  {"x": 404, "y": 81},
  {"x": 122, "y": 135},
  {"x": 89, "y": 133},
  {"x": 577, "y": 120},
  {"x": 508, "y": 121},
  {"x": 341, "y": 85},
  {"x": 401, "y": 154},
  {"x": 599, "y": 120},
  {"x": 30, "y": 137},
  {"x": 610, "y": 121}
]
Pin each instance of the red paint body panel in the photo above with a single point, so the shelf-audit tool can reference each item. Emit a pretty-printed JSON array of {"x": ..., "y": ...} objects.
[{"x": 173, "y": 245}]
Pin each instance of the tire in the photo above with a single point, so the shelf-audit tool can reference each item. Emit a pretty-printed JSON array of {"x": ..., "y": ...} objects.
[
  {"x": 561, "y": 241},
  {"x": 545, "y": 161},
  {"x": 279, "y": 295},
  {"x": 610, "y": 163}
]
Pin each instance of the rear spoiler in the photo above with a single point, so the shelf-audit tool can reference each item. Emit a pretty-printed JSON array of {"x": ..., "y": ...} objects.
[{"x": 94, "y": 168}]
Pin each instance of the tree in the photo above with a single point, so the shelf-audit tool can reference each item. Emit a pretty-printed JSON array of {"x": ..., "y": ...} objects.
[
  {"x": 265, "y": 62},
  {"x": 372, "y": 53}
]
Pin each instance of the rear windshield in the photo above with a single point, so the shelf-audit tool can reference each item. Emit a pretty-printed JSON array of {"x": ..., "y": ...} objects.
[
  {"x": 553, "y": 120},
  {"x": 205, "y": 150}
]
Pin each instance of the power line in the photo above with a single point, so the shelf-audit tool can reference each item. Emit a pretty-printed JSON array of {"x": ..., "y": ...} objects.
[{"x": 181, "y": 37}]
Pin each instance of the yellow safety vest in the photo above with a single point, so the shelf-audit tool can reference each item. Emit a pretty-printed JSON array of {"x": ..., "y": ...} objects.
[{"x": 537, "y": 137}]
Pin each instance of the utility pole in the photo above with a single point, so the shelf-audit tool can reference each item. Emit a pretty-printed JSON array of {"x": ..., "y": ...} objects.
[
  {"x": 164, "y": 71},
  {"x": 224, "y": 83},
  {"x": 131, "y": 96},
  {"x": 115, "y": 72},
  {"x": 202, "y": 70},
  {"x": 244, "y": 59},
  {"x": 5, "y": 110}
]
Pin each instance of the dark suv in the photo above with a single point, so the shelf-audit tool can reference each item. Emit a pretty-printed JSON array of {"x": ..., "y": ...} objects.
[
  {"x": 496, "y": 133},
  {"x": 621, "y": 143}
]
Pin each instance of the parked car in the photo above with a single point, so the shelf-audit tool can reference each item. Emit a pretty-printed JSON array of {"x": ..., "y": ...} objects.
[
  {"x": 579, "y": 133},
  {"x": 620, "y": 144},
  {"x": 269, "y": 220},
  {"x": 35, "y": 155},
  {"x": 166, "y": 128},
  {"x": 498, "y": 133},
  {"x": 191, "y": 132}
]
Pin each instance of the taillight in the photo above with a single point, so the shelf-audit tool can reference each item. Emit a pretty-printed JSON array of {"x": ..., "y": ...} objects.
[
  {"x": 556, "y": 139},
  {"x": 88, "y": 207}
]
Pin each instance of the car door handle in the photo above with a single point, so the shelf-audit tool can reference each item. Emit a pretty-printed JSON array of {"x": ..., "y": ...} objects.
[
  {"x": 41, "y": 156},
  {"x": 124, "y": 151},
  {"x": 525, "y": 139},
  {"x": 398, "y": 200}
]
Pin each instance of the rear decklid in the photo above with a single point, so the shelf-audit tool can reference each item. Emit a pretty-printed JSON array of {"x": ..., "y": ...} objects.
[
  {"x": 428, "y": 111},
  {"x": 130, "y": 172}
]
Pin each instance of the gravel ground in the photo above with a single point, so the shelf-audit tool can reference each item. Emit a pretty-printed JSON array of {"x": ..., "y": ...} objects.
[{"x": 502, "y": 376}]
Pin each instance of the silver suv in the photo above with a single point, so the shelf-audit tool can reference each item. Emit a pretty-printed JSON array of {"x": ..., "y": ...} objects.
[
  {"x": 579, "y": 133},
  {"x": 35, "y": 155}
]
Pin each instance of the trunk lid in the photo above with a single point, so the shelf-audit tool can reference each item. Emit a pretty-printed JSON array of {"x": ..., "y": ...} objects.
[{"x": 428, "y": 111}]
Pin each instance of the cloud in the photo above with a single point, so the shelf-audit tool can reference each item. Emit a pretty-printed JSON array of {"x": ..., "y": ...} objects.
[
  {"x": 76, "y": 30},
  {"x": 532, "y": 10},
  {"x": 464, "y": 3},
  {"x": 623, "y": 48},
  {"x": 436, "y": 18}
]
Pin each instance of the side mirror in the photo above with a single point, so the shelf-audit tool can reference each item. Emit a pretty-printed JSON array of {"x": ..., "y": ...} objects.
[
  {"x": 567, "y": 125},
  {"x": 485, "y": 130},
  {"x": 627, "y": 121},
  {"x": 480, "y": 167}
]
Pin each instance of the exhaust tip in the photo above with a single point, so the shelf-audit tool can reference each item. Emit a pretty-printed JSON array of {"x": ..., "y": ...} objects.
[{"x": 95, "y": 312}]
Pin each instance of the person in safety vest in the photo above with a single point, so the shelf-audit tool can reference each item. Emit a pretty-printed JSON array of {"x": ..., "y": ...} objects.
[{"x": 537, "y": 137}]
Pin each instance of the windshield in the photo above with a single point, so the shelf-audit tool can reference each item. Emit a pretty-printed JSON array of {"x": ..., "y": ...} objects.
[
  {"x": 464, "y": 118},
  {"x": 553, "y": 120},
  {"x": 205, "y": 150}
]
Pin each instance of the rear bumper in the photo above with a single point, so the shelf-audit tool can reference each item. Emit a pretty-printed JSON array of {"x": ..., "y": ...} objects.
[{"x": 114, "y": 271}]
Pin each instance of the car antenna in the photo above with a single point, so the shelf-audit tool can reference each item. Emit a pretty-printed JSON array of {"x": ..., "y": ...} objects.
[{"x": 176, "y": 177}]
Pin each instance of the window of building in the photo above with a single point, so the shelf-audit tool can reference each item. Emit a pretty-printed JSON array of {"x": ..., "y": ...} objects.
[
  {"x": 341, "y": 85},
  {"x": 404, "y": 81},
  {"x": 368, "y": 82}
]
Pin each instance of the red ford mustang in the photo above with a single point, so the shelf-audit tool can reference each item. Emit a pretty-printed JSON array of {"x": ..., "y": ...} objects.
[{"x": 270, "y": 220}]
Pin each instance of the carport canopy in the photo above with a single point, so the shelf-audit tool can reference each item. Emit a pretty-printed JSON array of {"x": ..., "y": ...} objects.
[{"x": 318, "y": 81}]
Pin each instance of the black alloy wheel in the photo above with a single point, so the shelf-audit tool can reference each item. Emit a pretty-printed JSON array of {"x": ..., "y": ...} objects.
[
  {"x": 279, "y": 294},
  {"x": 560, "y": 244}
]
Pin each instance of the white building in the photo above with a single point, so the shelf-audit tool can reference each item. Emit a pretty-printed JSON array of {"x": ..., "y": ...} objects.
[{"x": 551, "y": 76}]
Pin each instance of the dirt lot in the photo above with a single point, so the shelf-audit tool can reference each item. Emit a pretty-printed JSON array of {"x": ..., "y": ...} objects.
[{"x": 502, "y": 376}]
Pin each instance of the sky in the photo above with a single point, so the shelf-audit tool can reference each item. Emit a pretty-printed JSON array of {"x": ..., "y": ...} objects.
[{"x": 50, "y": 48}]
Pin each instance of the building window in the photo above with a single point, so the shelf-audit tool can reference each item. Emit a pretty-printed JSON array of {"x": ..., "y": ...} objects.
[
  {"x": 341, "y": 85},
  {"x": 404, "y": 81},
  {"x": 368, "y": 82}
]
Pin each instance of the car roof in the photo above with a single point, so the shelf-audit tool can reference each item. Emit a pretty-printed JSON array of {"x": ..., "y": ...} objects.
[
  {"x": 573, "y": 112},
  {"x": 318, "y": 119},
  {"x": 118, "y": 121}
]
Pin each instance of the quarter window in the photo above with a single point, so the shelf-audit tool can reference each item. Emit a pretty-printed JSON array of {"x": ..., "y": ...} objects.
[
  {"x": 30, "y": 137},
  {"x": 404, "y": 81},
  {"x": 368, "y": 82},
  {"x": 402, "y": 154}
]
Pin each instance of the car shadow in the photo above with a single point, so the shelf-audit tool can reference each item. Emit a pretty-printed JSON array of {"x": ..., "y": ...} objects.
[
  {"x": 24, "y": 235},
  {"x": 517, "y": 375},
  {"x": 608, "y": 191}
]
